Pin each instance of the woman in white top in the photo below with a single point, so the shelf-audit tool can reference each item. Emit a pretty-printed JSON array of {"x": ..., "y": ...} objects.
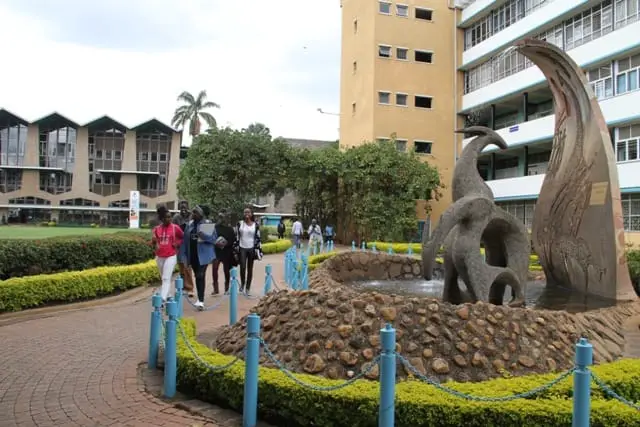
[{"x": 248, "y": 240}]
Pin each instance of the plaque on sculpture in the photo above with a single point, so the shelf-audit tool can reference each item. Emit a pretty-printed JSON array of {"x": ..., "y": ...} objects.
[{"x": 576, "y": 229}]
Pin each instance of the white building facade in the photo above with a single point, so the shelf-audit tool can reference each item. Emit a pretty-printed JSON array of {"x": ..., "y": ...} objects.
[{"x": 505, "y": 91}]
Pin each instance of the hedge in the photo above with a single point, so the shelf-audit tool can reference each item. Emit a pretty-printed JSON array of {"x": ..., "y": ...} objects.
[
  {"x": 283, "y": 402},
  {"x": 32, "y": 291},
  {"x": 276, "y": 247},
  {"x": 272, "y": 230},
  {"x": 26, "y": 257}
]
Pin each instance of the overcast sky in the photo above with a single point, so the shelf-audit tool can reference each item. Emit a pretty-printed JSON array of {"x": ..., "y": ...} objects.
[{"x": 274, "y": 62}]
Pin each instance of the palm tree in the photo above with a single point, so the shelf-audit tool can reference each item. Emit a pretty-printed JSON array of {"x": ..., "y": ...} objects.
[{"x": 192, "y": 111}]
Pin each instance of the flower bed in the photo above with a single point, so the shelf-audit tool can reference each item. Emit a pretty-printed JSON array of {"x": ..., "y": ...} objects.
[
  {"x": 285, "y": 403},
  {"x": 32, "y": 291}
]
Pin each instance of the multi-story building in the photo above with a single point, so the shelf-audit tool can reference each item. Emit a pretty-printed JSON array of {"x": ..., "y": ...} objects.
[
  {"x": 489, "y": 84},
  {"x": 398, "y": 79},
  {"x": 56, "y": 169}
]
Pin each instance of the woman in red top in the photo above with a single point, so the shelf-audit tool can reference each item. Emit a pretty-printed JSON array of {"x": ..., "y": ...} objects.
[{"x": 167, "y": 238}]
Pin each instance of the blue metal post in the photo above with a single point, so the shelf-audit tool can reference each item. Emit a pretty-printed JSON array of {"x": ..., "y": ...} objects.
[
  {"x": 250, "y": 404},
  {"x": 179, "y": 288},
  {"x": 305, "y": 273},
  {"x": 386, "y": 412},
  {"x": 331, "y": 245},
  {"x": 410, "y": 250},
  {"x": 170, "y": 357},
  {"x": 353, "y": 245},
  {"x": 582, "y": 384},
  {"x": 390, "y": 250},
  {"x": 267, "y": 279},
  {"x": 154, "y": 335},
  {"x": 233, "y": 297},
  {"x": 363, "y": 246},
  {"x": 374, "y": 248}
]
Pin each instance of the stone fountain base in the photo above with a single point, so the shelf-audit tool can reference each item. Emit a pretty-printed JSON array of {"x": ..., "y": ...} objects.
[{"x": 333, "y": 329}]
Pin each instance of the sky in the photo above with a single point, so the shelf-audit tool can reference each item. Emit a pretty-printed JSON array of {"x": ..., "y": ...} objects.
[{"x": 273, "y": 62}]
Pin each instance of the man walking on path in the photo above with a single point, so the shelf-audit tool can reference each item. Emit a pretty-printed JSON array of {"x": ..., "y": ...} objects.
[{"x": 296, "y": 232}]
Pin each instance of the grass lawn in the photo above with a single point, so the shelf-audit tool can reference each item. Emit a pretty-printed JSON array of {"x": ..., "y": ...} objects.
[{"x": 36, "y": 232}]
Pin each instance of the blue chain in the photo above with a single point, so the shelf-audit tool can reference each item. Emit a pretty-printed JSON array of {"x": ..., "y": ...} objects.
[
  {"x": 250, "y": 297},
  {"x": 461, "y": 395},
  {"x": 206, "y": 364},
  {"x": 211, "y": 307},
  {"x": 298, "y": 381},
  {"x": 609, "y": 391}
]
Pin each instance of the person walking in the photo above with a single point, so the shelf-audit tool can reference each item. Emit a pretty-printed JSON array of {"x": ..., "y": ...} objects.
[
  {"x": 328, "y": 233},
  {"x": 224, "y": 253},
  {"x": 296, "y": 232},
  {"x": 248, "y": 232},
  {"x": 198, "y": 249},
  {"x": 167, "y": 238},
  {"x": 315, "y": 234},
  {"x": 281, "y": 229},
  {"x": 181, "y": 219}
]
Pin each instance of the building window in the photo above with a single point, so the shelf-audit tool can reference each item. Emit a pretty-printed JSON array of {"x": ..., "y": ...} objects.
[
  {"x": 381, "y": 139},
  {"x": 402, "y": 10},
  {"x": 589, "y": 25},
  {"x": 521, "y": 209},
  {"x": 423, "y": 101},
  {"x": 355, "y": 66},
  {"x": 384, "y": 97},
  {"x": 627, "y": 138},
  {"x": 631, "y": 211},
  {"x": 13, "y": 138},
  {"x": 424, "y": 14},
  {"x": 384, "y": 7},
  {"x": 10, "y": 180},
  {"x": 626, "y": 12},
  {"x": 55, "y": 183},
  {"x": 401, "y": 145},
  {"x": 423, "y": 56},
  {"x": 422, "y": 147},
  {"x": 555, "y": 36},
  {"x": 627, "y": 74},
  {"x": 601, "y": 81},
  {"x": 402, "y": 53},
  {"x": 402, "y": 99},
  {"x": 384, "y": 51},
  {"x": 478, "y": 33},
  {"x": 507, "y": 14}
]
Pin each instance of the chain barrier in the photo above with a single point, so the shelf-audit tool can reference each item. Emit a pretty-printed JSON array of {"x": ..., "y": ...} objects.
[
  {"x": 203, "y": 362},
  {"x": 249, "y": 297},
  {"x": 465, "y": 396},
  {"x": 611, "y": 393},
  {"x": 211, "y": 307},
  {"x": 296, "y": 380}
]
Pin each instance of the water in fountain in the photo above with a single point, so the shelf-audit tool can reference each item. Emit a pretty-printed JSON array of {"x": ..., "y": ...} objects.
[{"x": 537, "y": 294}]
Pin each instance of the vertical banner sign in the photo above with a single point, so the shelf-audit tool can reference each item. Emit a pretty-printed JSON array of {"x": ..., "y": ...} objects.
[{"x": 134, "y": 209}]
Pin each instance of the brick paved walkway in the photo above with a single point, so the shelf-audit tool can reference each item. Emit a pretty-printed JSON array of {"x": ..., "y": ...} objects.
[{"x": 80, "y": 368}]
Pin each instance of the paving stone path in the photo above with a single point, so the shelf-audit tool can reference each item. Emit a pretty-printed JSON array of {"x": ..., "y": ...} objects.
[{"x": 81, "y": 368}]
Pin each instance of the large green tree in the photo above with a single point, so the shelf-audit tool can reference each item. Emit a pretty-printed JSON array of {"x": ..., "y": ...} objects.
[
  {"x": 227, "y": 168},
  {"x": 369, "y": 190},
  {"x": 192, "y": 111}
]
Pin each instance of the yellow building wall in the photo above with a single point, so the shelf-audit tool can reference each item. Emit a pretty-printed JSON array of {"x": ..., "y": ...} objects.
[{"x": 438, "y": 79}]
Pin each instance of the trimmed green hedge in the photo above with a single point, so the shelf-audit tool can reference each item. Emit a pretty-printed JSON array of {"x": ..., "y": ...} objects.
[
  {"x": 276, "y": 247},
  {"x": 272, "y": 230},
  {"x": 26, "y": 257},
  {"x": 417, "y": 404},
  {"x": 20, "y": 293}
]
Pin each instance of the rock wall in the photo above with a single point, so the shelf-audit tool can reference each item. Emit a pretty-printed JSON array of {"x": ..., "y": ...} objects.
[{"x": 333, "y": 330}]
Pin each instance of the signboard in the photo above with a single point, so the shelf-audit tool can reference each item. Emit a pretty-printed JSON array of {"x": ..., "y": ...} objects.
[{"x": 134, "y": 209}]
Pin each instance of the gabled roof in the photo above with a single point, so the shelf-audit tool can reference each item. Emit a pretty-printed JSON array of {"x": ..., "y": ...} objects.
[
  {"x": 154, "y": 125},
  {"x": 6, "y": 115},
  {"x": 55, "y": 121},
  {"x": 104, "y": 123}
]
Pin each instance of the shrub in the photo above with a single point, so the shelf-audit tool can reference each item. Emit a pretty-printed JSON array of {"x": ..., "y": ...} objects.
[
  {"x": 316, "y": 260},
  {"x": 272, "y": 230},
  {"x": 417, "y": 404},
  {"x": 33, "y": 291},
  {"x": 633, "y": 261},
  {"x": 276, "y": 247},
  {"x": 26, "y": 257}
]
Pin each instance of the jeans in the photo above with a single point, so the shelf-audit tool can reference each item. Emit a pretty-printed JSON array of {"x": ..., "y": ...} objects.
[
  {"x": 296, "y": 240},
  {"x": 226, "y": 268},
  {"x": 166, "y": 267},
  {"x": 246, "y": 268},
  {"x": 199, "y": 271}
]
